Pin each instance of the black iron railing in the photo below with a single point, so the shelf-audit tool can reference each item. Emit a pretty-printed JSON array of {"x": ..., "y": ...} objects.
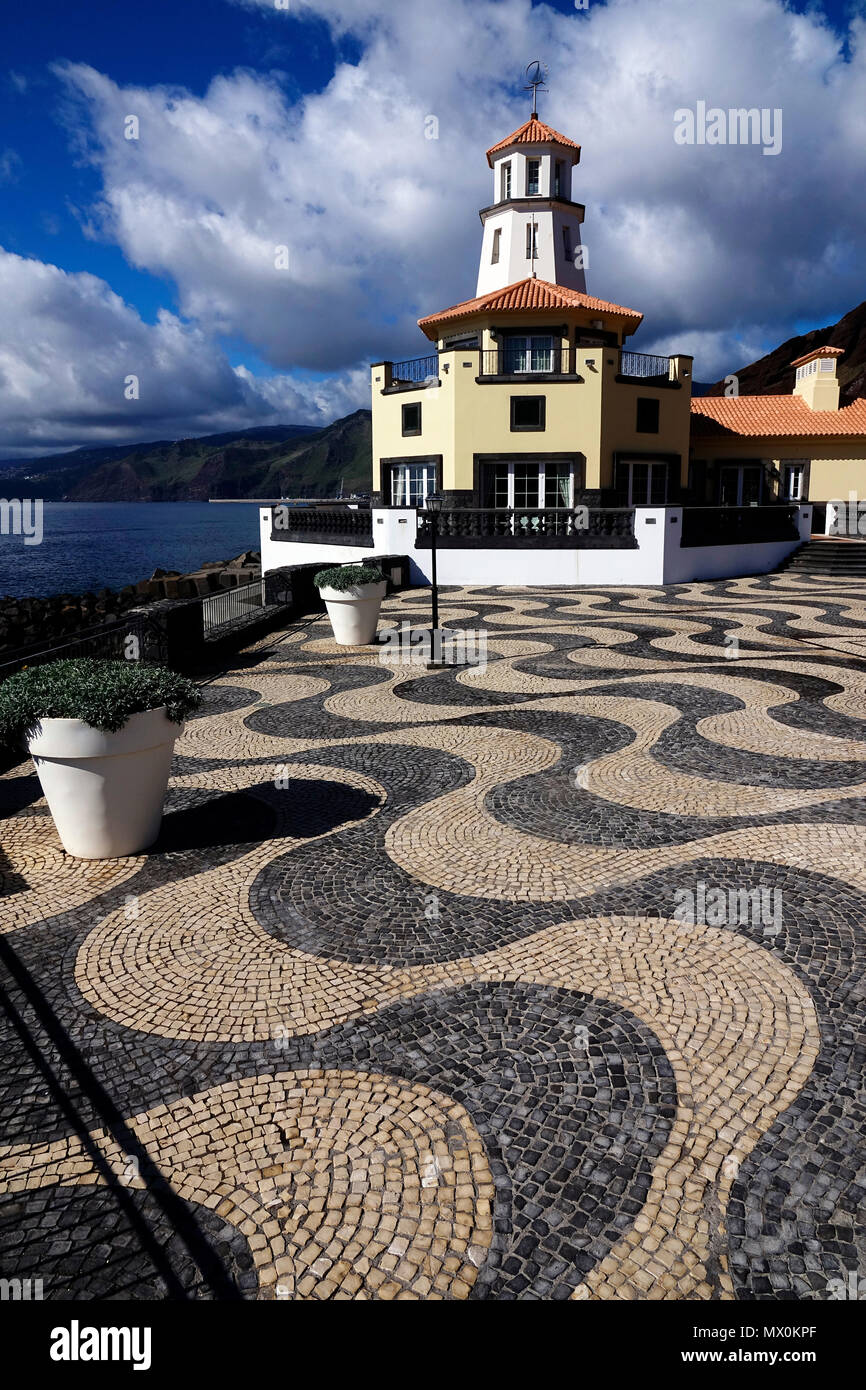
[
  {"x": 528, "y": 362},
  {"x": 337, "y": 525},
  {"x": 133, "y": 637},
  {"x": 232, "y": 605},
  {"x": 738, "y": 525},
  {"x": 644, "y": 365},
  {"x": 415, "y": 369},
  {"x": 590, "y": 528}
]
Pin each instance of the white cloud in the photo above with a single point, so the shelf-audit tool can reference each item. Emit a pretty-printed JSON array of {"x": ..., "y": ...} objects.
[
  {"x": 724, "y": 250},
  {"x": 69, "y": 345},
  {"x": 381, "y": 223}
]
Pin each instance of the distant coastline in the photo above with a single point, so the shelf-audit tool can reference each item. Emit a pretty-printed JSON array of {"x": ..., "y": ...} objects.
[{"x": 90, "y": 546}]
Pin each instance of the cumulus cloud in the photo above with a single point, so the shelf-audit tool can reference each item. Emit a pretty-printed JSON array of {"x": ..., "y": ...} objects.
[
  {"x": 70, "y": 346},
  {"x": 380, "y": 221},
  {"x": 724, "y": 250}
]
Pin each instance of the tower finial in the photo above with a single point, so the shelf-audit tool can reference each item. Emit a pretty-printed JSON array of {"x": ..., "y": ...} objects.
[{"x": 536, "y": 76}]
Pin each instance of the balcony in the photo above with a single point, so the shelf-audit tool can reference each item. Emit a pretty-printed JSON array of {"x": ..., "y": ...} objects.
[
  {"x": 522, "y": 363},
  {"x": 414, "y": 373},
  {"x": 645, "y": 367},
  {"x": 537, "y": 364},
  {"x": 602, "y": 528}
]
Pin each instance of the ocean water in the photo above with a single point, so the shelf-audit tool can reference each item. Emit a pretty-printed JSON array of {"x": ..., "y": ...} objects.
[{"x": 98, "y": 545}]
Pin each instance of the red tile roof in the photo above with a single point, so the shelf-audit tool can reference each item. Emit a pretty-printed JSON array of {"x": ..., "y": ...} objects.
[
  {"x": 818, "y": 352},
  {"x": 773, "y": 417},
  {"x": 524, "y": 295},
  {"x": 533, "y": 132}
]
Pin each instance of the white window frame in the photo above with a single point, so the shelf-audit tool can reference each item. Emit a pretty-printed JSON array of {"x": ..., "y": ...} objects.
[
  {"x": 541, "y": 505},
  {"x": 791, "y": 469},
  {"x": 505, "y": 182},
  {"x": 400, "y": 479},
  {"x": 533, "y": 193},
  {"x": 495, "y": 248},
  {"x": 532, "y": 347}
]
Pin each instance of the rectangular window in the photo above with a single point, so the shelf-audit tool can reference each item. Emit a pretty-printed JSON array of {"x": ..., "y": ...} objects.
[
  {"x": 557, "y": 485},
  {"x": 533, "y": 177},
  {"x": 411, "y": 483},
  {"x": 566, "y": 243},
  {"x": 531, "y": 353},
  {"x": 527, "y": 412},
  {"x": 412, "y": 418},
  {"x": 505, "y": 187},
  {"x": 528, "y": 486},
  {"x": 557, "y": 179},
  {"x": 526, "y": 480},
  {"x": 531, "y": 241},
  {"x": 501, "y": 485},
  {"x": 794, "y": 476},
  {"x": 494, "y": 255},
  {"x": 740, "y": 484},
  {"x": 641, "y": 484},
  {"x": 752, "y": 485},
  {"x": 647, "y": 415}
]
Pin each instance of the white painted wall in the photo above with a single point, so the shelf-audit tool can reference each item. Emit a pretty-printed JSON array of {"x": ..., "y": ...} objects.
[
  {"x": 518, "y": 160},
  {"x": 550, "y": 263},
  {"x": 683, "y": 564},
  {"x": 275, "y": 554}
]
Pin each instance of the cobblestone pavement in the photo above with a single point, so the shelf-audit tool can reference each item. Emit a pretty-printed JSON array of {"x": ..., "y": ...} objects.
[{"x": 540, "y": 979}]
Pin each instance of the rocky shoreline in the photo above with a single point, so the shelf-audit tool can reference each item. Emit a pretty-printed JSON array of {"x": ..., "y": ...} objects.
[{"x": 28, "y": 624}]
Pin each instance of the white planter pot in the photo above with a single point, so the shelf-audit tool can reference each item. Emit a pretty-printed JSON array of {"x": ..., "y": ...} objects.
[
  {"x": 354, "y": 612},
  {"x": 105, "y": 790}
]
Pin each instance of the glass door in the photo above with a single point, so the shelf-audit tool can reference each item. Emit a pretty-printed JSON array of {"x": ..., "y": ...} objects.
[
  {"x": 641, "y": 484},
  {"x": 532, "y": 353},
  {"x": 740, "y": 484}
]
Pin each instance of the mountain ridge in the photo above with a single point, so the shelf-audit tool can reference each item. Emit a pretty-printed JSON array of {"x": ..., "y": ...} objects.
[
  {"x": 282, "y": 460},
  {"x": 773, "y": 375}
]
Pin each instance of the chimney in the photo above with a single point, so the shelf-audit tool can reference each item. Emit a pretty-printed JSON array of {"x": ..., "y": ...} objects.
[{"x": 816, "y": 379}]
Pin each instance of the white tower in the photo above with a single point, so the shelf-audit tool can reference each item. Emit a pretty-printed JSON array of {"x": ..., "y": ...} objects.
[{"x": 532, "y": 227}]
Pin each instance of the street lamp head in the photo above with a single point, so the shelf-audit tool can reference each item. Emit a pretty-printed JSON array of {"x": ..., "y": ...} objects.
[{"x": 433, "y": 501}]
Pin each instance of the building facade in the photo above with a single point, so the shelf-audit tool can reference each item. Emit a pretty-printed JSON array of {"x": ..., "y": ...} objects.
[
  {"x": 532, "y": 398},
  {"x": 556, "y": 454},
  {"x": 754, "y": 450}
]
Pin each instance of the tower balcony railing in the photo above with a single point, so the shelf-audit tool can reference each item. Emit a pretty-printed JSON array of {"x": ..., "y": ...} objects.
[
  {"x": 527, "y": 362},
  {"x": 644, "y": 366},
  {"x": 415, "y": 371}
]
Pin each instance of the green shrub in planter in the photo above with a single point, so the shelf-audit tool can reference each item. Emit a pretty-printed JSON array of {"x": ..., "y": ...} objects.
[
  {"x": 101, "y": 693},
  {"x": 343, "y": 577}
]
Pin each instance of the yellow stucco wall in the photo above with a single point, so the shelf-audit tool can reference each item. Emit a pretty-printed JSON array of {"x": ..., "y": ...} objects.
[
  {"x": 838, "y": 466},
  {"x": 594, "y": 416}
]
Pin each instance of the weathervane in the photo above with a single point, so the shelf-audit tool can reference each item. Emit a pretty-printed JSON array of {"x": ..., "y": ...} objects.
[{"x": 536, "y": 76}]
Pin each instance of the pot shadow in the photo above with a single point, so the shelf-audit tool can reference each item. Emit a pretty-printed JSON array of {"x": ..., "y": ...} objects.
[
  {"x": 17, "y": 793},
  {"x": 197, "y": 820}
]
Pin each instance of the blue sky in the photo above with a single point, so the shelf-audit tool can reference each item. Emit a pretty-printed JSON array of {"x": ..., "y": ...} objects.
[{"x": 302, "y": 126}]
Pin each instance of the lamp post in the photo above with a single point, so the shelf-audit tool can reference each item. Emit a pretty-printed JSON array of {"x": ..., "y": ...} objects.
[{"x": 433, "y": 503}]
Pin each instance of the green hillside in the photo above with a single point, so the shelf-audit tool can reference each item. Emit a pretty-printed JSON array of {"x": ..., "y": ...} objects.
[{"x": 283, "y": 460}]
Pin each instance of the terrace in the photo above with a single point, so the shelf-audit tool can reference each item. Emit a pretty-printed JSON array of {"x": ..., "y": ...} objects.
[
  {"x": 548, "y": 364},
  {"x": 420, "y": 994}
]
